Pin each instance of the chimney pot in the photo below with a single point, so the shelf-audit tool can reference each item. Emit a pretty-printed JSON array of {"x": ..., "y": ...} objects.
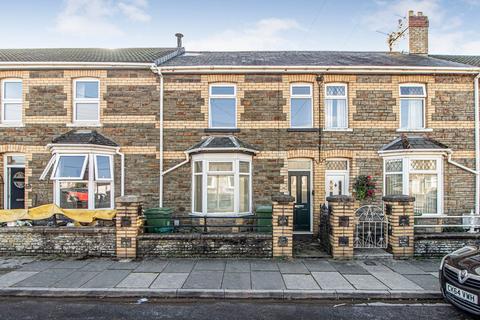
[{"x": 179, "y": 39}]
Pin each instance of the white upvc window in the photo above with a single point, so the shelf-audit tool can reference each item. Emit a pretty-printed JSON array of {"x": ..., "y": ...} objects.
[
  {"x": 336, "y": 106},
  {"x": 223, "y": 106},
  {"x": 417, "y": 176},
  {"x": 83, "y": 181},
  {"x": 12, "y": 101},
  {"x": 301, "y": 105},
  {"x": 221, "y": 184},
  {"x": 86, "y": 101},
  {"x": 412, "y": 106}
]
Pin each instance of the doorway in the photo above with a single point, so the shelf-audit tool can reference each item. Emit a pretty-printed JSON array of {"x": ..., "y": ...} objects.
[
  {"x": 15, "y": 181},
  {"x": 336, "y": 177},
  {"x": 300, "y": 188}
]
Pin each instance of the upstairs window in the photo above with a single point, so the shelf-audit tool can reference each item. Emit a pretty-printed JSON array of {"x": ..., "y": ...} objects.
[
  {"x": 336, "y": 112},
  {"x": 412, "y": 106},
  {"x": 223, "y": 106},
  {"x": 12, "y": 101},
  {"x": 301, "y": 113},
  {"x": 86, "y": 105}
]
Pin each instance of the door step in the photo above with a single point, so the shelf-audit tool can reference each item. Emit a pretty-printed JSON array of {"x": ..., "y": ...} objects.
[{"x": 371, "y": 253}]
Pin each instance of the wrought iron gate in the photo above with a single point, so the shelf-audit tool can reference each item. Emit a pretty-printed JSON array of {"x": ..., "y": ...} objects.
[{"x": 371, "y": 227}]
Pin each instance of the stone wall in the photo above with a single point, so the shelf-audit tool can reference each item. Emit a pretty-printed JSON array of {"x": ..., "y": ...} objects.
[
  {"x": 234, "y": 245},
  {"x": 440, "y": 244},
  {"x": 60, "y": 241}
]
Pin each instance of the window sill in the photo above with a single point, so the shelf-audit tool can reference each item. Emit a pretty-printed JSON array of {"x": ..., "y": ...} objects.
[
  {"x": 338, "y": 130},
  {"x": 12, "y": 125},
  {"x": 415, "y": 130},
  {"x": 86, "y": 124},
  {"x": 212, "y": 130},
  {"x": 302, "y": 130}
]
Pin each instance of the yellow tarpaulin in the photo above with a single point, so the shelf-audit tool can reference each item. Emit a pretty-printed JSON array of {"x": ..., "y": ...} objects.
[{"x": 48, "y": 210}]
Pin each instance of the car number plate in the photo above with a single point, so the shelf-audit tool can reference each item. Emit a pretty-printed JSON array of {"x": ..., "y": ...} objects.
[{"x": 462, "y": 294}]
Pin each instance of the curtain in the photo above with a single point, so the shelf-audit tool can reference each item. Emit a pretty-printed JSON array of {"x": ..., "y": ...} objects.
[
  {"x": 412, "y": 113},
  {"x": 336, "y": 113}
]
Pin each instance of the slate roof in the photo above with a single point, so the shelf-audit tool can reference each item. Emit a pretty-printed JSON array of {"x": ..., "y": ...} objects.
[
  {"x": 84, "y": 137},
  {"x": 221, "y": 143},
  {"x": 471, "y": 60},
  {"x": 128, "y": 55},
  {"x": 307, "y": 58},
  {"x": 417, "y": 143}
]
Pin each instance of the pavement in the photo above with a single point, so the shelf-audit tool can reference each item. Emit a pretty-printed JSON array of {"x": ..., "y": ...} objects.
[{"x": 217, "y": 278}]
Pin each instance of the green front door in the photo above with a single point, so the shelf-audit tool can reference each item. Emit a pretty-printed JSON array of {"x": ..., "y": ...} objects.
[{"x": 299, "y": 187}]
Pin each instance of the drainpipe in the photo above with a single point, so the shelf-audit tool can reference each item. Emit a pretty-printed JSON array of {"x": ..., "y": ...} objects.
[
  {"x": 477, "y": 145},
  {"x": 122, "y": 177},
  {"x": 158, "y": 71}
]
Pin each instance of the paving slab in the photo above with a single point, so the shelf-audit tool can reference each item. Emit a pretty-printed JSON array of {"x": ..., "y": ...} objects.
[
  {"x": 70, "y": 264},
  {"x": 348, "y": 267},
  {"x": 97, "y": 265},
  {"x": 151, "y": 266},
  {"x": 209, "y": 265},
  {"x": 237, "y": 266},
  {"x": 13, "y": 277},
  {"x": 263, "y": 265},
  {"x": 427, "y": 281},
  {"x": 120, "y": 265},
  {"x": 395, "y": 281},
  {"x": 75, "y": 279},
  {"x": 267, "y": 280},
  {"x": 45, "y": 278},
  {"x": 300, "y": 282},
  {"x": 427, "y": 265},
  {"x": 293, "y": 267},
  {"x": 332, "y": 281},
  {"x": 237, "y": 280},
  {"x": 179, "y": 266},
  {"x": 138, "y": 280},
  {"x": 39, "y": 265},
  {"x": 373, "y": 266},
  {"x": 403, "y": 267},
  {"x": 169, "y": 281},
  {"x": 204, "y": 280},
  {"x": 318, "y": 265},
  {"x": 107, "y": 279},
  {"x": 365, "y": 282}
]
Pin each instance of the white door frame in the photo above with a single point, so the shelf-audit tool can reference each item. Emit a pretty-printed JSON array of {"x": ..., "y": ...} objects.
[
  {"x": 345, "y": 173},
  {"x": 6, "y": 174},
  {"x": 311, "y": 191}
]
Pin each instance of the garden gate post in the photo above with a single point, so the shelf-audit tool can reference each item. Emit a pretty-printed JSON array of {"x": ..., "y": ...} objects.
[
  {"x": 127, "y": 226},
  {"x": 342, "y": 226},
  {"x": 282, "y": 222},
  {"x": 399, "y": 210}
]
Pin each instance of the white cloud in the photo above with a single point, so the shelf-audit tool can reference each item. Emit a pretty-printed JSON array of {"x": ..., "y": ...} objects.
[
  {"x": 447, "y": 33},
  {"x": 265, "y": 34},
  {"x": 97, "y": 17}
]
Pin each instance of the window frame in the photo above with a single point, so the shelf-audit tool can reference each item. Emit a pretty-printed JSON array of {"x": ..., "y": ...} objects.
[
  {"x": 406, "y": 172},
  {"x": 301, "y": 96},
  {"x": 235, "y": 159},
  {"x": 344, "y": 97},
  {"x": 423, "y": 98},
  {"x": 220, "y": 96},
  {"x": 91, "y": 180},
  {"x": 110, "y": 160},
  {"x": 85, "y": 100},
  {"x": 5, "y": 101}
]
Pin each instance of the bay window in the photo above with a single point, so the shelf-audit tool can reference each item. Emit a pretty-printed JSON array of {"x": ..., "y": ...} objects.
[
  {"x": 83, "y": 181},
  {"x": 412, "y": 106},
  {"x": 418, "y": 177},
  {"x": 221, "y": 184}
]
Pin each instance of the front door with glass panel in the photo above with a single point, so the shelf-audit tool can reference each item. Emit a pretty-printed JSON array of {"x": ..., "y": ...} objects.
[
  {"x": 15, "y": 182},
  {"x": 335, "y": 184},
  {"x": 299, "y": 187}
]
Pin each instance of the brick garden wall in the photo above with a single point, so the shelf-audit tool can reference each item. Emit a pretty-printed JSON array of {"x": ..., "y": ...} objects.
[
  {"x": 60, "y": 241},
  {"x": 205, "y": 245},
  {"x": 441, "y": 244}
]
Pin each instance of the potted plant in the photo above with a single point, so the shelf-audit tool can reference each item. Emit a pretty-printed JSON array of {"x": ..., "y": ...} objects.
[{"x": 364, "y": 188}]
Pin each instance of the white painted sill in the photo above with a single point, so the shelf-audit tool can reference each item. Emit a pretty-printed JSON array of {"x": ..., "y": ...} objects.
[
  {"x": 12, "y": 125},
  {"x": 338, "y": 130},
  {"x": 85, "y": 124},
  {"x": 415, "y": 130}
]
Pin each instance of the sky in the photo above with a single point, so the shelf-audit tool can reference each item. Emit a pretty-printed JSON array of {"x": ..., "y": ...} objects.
[{"x": 346, "y": 25}]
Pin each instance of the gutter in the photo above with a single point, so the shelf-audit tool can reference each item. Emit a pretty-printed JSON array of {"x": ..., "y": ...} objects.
[
  {"x": 71, "y": 65},
  {"x": 122, "y": 177}
]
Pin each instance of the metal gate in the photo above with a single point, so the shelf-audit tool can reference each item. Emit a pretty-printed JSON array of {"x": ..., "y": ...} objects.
[{"x": 371, "y": 227}]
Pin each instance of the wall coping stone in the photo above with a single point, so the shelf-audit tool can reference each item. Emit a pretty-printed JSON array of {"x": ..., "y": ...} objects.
[
  {"x": 398, "y": 198},
  {"x": 42, "y": 229},
  {"x": 190, "y": 236},
  {"x": 283, "y": 198},
  {"x": 340, "y": 198},
  {"x": 130, "y": 198},
  {"x": 447, "y": 235}
]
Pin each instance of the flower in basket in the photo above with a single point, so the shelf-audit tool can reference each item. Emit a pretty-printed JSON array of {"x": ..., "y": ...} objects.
[{"x": 364, "y": 187}]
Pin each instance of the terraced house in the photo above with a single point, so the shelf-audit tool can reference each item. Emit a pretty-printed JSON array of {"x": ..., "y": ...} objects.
[{"x": 217, "y": 134}]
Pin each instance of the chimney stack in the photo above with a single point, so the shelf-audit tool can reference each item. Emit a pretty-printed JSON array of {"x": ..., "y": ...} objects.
[
  {"x": 417, "y": 33},
  {"x": 179, "y": 39}
]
